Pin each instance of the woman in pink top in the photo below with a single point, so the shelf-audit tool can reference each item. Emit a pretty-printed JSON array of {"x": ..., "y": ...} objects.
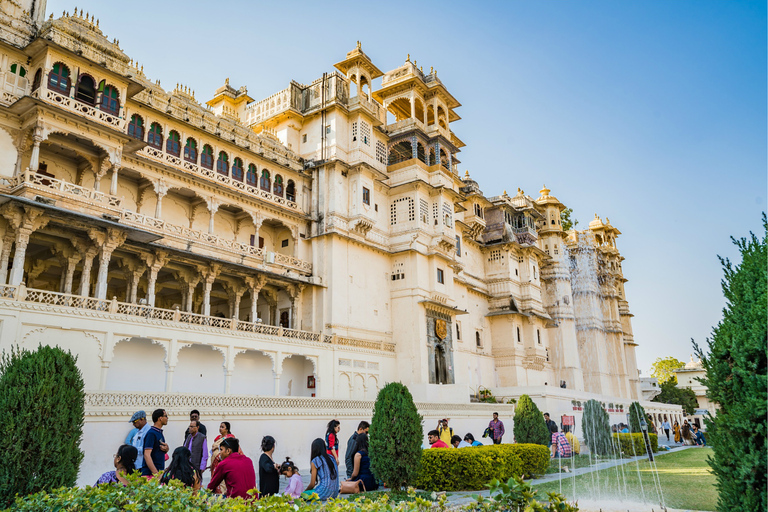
[{"x": 295, "y": 485}]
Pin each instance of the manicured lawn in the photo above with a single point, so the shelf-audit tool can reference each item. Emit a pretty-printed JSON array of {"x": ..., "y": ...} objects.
[
  {"x": 685, "y": 478},
  {"x": 579, "y": 461}
]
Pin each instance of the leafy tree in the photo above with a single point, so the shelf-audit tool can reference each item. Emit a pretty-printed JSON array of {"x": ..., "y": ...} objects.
[
  {"x": 671, "y": 394},
  {"x": 41, "y": 421},
  {"x": 736, "y": 380},
  {"x": 636, "y": 412},
  {"x": 529, "y": 424},
  {"x": 597, "y": 428},
  {"x": 396, "y": 436},
  {"x": 566, "y": 221},
  {"x": 664, "y": 369}
]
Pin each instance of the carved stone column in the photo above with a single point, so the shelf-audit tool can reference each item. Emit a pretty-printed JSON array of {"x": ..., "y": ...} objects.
[
  {"x": 257, "y": 222},
  {"x": 34, "y": 159},
  {"x": 104, "y": 166},
  {"x": 87, "y": 253},
  {"x": 161, "y": 189},
  {"x": 24, "y": 220},
  {"x": 294, "y": 292},
  {"x": 209, "y": 275},
  {"x": 106, "y": 241},
  {"x": 5, "y": 254},
  {"x": 155, "y": 261},
  {"x": 189, "y": 282},
  {"x": 277, "y": 383},
  {"x": 255, "y": 284},
  {"x": 235, "y": 296},
  {"x": 213, "y": 207},
  {"x": 113, "y": 185}
]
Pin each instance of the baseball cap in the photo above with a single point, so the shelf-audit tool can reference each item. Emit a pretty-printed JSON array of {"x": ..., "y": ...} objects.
[{"x": 137, "y": 416}]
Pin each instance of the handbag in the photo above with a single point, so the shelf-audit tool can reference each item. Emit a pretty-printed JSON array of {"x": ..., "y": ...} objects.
[
  {"x": 487, "y": 432},
  {"x": 352, "y": 487}
]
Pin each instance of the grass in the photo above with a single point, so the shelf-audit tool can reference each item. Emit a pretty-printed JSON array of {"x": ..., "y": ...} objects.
[
  {"x": 578, "y": 461},
  {"x": 685, "y": 478},
  {"x": 394, "y": 497}
]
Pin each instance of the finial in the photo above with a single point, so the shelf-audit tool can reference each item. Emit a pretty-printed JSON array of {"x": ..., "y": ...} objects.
[
  {"x": 81, "y": 13},
  {"x": 359, "y": 45},
  {"x": 431, "y": 70},
  {"x": 607, "y": 220},
  {"x": 97, "y": 22},
  {"x": 142, "y": 69},
  {"x": 51, "y": 17},
  {"x": 466, "y": 174},
  {"x": 596, "y": 216},
  {"x": 505, "y": 192},
  {"x": 544, "y": 191},
  {"x": 421, "y": 69},
  {"x": 408, "y": 58},
  {"x": 87, "y": 15}
]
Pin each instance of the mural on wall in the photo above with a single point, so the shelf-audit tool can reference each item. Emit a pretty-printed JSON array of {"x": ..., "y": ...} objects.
[{"x": 440, "y": 345}]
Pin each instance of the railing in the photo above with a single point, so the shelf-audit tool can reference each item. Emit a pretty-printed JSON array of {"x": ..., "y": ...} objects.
[
  {"x": 7, "y": 98},
  {"x": 211, "y": 175},
  {"x": 370, "y": 105},
  {"x": 34, "y": 180},
  {"x": 77, "y": 107},
  {"x": 137, "y": 311}
]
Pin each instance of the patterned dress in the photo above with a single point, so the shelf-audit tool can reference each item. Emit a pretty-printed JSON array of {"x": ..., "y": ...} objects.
[
  {"x": 326, "y": 487},
  {"x": 110, "y": 477}
]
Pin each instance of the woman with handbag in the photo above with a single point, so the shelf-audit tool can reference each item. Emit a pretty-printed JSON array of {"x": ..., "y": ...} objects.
[{"x": 362, "y": 479}]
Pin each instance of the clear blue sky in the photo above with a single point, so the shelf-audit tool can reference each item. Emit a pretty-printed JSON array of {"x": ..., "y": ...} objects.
[{"x": 652, "y": 113}]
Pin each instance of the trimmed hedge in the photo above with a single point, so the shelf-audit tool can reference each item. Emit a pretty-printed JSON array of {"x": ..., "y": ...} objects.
[
  {"x": 471, "y": 468},
  {"x": 626, "y": 440}
]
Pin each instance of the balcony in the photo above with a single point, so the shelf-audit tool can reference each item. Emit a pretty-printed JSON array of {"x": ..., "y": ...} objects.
[
  {"x": 79, "y": 108},
  {"x": 370, "y": 106},
  {"x": 211, "y": 175}
]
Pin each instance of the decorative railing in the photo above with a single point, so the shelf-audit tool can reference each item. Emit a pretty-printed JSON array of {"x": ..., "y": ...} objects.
[
  {"x": 370, "y": 105},
  {"x": 34, "y": 180},
  {"x": 7, "y": 98},
  {"x": 77, "y": 107},
  {"x": 138, "y": 311},
  {"x": 211, "y": 175}
]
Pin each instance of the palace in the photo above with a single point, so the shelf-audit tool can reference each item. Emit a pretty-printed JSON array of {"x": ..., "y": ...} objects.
[{"x": 317, "y": 243}]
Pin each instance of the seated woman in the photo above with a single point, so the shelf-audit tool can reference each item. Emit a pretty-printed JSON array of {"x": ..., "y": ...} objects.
[
  {"x": 324, "y": 479},
  {"x": 362, "y": 468},
  {"x": 181, "y": 469},
  {"x": 125, "y": 458}
]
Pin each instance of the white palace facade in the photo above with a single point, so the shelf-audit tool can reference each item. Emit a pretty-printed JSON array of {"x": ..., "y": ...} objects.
[{"x": 283, "y": 257}]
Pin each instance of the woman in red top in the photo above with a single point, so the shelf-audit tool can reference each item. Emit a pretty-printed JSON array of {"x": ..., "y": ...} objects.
[{"x": 332, "y": 439}]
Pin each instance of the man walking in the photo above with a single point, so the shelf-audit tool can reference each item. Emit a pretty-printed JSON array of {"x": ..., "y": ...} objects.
[
  {"x": 497, "y": 428},
  {"x": 140, "y": 424},
  {"x": 666, "y": 426},
  {"x": 198, "y": 445},
  {"x": 194, "y": 415},
  {"x": 550, "y": 424},
  {"x": 349, "y": 456},
  {"x": 154, "y": 445}
]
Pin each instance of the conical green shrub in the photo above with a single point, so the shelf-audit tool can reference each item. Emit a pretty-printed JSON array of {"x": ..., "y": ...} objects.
[
  {"x": 596, "y": 428},
  {"x": 529, "y": 424},
  {"x": 636, "y": 412},
  {"x": 42, "y": 405},
  {"x": 395, "y": 437}
]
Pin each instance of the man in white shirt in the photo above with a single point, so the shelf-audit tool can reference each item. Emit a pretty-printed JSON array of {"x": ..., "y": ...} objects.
[
  {"x": 666, "y": 426},
  {"x": 139, "y": 421}
]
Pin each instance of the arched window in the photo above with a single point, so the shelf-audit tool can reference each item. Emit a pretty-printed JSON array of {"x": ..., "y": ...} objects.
[
  {"x": 58, "y": 78},
  {"x": 290, "y": 191},
  {"x": 136, "y": 127},
  {"x": 222, "y": 164},
  {"x": 85, "y": 92},
  {"x": 16, "y": 80},
  {"x": 237, "y": 169},
  {"x": 190, "y": 151},
  {"x": 173, "y": 144},
  {"x": 206, "y": 157},
  {"x": 265, "y": 183},
  {"x": 37, "y": 80},
  {"x": 155, "y": 136},
  {"x": 110, "y": 100},
  {"x": 251, "y": 176},
  {"x": 278, "y": 188}
]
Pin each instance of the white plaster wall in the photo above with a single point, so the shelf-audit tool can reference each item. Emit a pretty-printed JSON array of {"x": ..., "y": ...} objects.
[
  {"x": 8, "y": 154},
  {"x": 137, "y": 365},
  {"x": 86, "y": 346},
  {"x": 200, "y": 369},
  {"x": 253, "y": 375},
  {"x": 293, "y": 381}
]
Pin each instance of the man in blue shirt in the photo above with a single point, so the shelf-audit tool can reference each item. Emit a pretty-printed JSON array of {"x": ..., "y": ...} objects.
[
  {"x": 140, "y": 429},
  {"x": 154, "y": 445}
]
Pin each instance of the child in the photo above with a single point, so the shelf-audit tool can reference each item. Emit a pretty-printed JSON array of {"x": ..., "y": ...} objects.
[{"x": 295, "y": 486}]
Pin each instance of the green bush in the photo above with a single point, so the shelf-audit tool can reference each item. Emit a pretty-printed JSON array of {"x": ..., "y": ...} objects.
[
  {"x": 529, "y": 425},
  {"x": 597, "y": 429},
  {"x": 470, "y": 469},
  {"x": 633, "y": 444},
  {"x": 41, "y": 421},
  {"x": 736, "y": 380},
  {"x": 636, "y": 412},
  {"x": 395, "y": 436}
]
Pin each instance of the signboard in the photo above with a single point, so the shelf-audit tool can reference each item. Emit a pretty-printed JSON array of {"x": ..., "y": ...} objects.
[{"x": 568, "y": 420}]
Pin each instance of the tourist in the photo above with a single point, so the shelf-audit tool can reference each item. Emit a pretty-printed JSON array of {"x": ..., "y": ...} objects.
[
  {"x": 142, "y": 426},
  {"x": 124, "y": 462},
  {"x": 686, "y": 434},
  {"x": 154, "y": 445},
  {"x": 332, "y": 439},
  {"x": 362, "y": 428},
  {"x": 698, "y": 437},
  {"x": 666, "y": 427},
  {"x": 574, "y": 442},
  {"x": 469, "y": 438},
  {"x": 456, "y": 442},
  {"x": 624, "y": 429},
  {"x": 197, "y": 444},
  {"x": 269, "y": 472},
  {"x": 560, "y": 446},
  {"x": 194, "y": 415},
  {"x": 235, "y": 470},
  {"x": 434, "y": 440},
  {"x": 497, "y": 428},
  {"x": 362, "y": 466},
  {"x": 651, "y": 426},
  {"x": 676, "y": 428},
  {"x": 444, "y": 431},
  {"x": 182, "y": 469},
  {"x": 324, "y": 478},
  {"x": 295, "y": 485},
  {"x": 549, "y": 423},
  {"x": 224, "y": 433}
]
